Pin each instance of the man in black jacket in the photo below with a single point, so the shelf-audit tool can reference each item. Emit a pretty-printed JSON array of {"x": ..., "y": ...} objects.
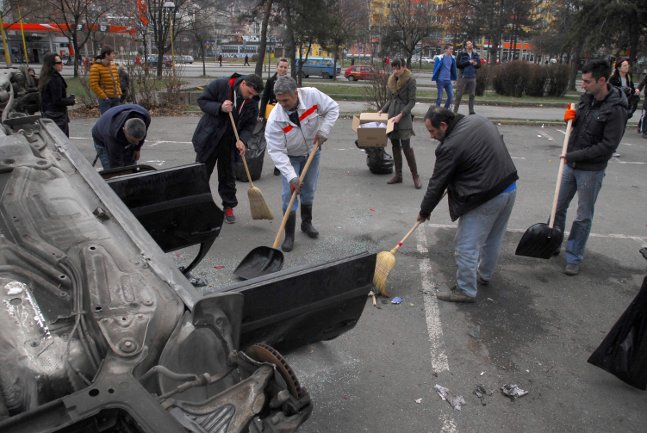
[
  {"x": 119, "y": 135},
  {"x": 214, "y": 140},
  {"x": 474, "y": 166},
  {"x": 598, "y": 127},
  {"x": 467, "y": 62}
]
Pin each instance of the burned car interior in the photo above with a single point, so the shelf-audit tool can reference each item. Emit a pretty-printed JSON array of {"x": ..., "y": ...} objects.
[{"x": 100, "y": 331}]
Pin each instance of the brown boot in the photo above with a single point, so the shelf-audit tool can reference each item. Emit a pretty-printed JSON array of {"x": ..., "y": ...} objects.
[
  {"x": 397, "y": 163},
  {"x": 411, "y": 160}
]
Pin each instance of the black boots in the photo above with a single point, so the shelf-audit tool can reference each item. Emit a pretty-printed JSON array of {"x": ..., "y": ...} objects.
[
  {"x": 288, "y": 241},
  {"x": 306, "y": 221},
  {"x": 411, "y": 160},
  {"x": 397, "y": 164}
]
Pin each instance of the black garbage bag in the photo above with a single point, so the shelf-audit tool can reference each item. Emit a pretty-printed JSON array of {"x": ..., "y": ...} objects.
[
  {"x": 377, "y": 160},
  {"x": 254, "y": 155},
  {"x": 623, "y": 352}
]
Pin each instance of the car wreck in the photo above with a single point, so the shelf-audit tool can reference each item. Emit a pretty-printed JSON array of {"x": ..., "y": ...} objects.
[{"x": 100, "y": 331}]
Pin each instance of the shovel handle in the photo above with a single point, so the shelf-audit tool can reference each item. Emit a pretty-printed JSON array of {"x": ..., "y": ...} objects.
[
  {"x": 286, "y": 215},
  {"x": 233, "y": 125},
  {"x": 569, "y": 128},
  {"x": 404, "y": 239}
]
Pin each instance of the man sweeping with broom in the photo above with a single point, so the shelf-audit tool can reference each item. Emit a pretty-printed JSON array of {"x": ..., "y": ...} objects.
[
  {"x": 473, "y": 164},
  {"x": 305, "y": 117}
]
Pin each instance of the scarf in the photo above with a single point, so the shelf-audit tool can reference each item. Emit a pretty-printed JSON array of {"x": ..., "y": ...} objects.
[{"x": 396, "y": 84}]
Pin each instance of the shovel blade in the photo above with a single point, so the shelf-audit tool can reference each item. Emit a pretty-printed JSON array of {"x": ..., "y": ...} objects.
[
  {"x": 259, "y": 261},
  {"x": 540, "y": 241}
]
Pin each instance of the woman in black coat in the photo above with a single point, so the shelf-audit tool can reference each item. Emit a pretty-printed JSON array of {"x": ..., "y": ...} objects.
[
  {"x": 53, "y": 92},
  {"x": 621, "y": 78}
]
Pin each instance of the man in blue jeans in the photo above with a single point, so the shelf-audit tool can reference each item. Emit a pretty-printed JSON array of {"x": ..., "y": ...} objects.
[
  {"x": 444, "y": 74},
  {"x": 474, "y": 166},
  {"x": 598, "y": 127}
]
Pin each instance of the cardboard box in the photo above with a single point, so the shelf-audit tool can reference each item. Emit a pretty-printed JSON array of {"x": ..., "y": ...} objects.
[{"x": 372, "y": 137}]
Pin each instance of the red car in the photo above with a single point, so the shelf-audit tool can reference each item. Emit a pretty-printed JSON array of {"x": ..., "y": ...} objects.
[{"x": 362, "y": 72}]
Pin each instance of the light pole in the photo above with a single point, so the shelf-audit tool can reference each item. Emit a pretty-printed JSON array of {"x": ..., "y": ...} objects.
[{"x": 169, "y": 7}]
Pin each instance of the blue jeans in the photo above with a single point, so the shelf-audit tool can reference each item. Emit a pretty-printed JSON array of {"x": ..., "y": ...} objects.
[
  {"x": 447, "y": 85},
  {"x": 106, "y": 104},
  {"x": 587, "y": 184},
  {"x": 478, "y": 240},
  {"x": 309, "y": 183}
]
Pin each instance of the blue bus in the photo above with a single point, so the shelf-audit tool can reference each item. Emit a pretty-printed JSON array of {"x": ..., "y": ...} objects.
[{"x": 321, "y": 67}]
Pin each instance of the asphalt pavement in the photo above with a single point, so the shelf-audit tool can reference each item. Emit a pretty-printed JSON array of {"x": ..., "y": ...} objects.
[{"x": 532, "y": 326}]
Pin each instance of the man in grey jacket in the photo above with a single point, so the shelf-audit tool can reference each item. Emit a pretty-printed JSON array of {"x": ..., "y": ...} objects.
[{"x": 474, "y": 166}]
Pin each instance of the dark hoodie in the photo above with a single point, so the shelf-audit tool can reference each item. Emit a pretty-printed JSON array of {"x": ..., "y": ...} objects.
[
  {"x": 597, "y": 130},
  {"x": 108, "y": 131}
]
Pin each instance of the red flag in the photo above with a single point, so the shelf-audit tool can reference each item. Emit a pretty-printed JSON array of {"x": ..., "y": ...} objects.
[{"x": 142, "y": 11}]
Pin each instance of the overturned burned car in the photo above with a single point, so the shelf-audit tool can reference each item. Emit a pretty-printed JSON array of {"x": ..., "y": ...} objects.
[{"x": 101, "y": 332}]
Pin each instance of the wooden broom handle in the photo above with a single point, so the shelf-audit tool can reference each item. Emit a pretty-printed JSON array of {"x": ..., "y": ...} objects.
[
  {"x": 286, "y": 215},
  {"x": 233, "y": 125},
  {"x": 404, "y": 239},
  {"x": 569, "y": 128}
]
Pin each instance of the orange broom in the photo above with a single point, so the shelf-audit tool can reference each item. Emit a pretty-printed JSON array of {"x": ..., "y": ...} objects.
[
  {"x": 257, "y": 204},
  {"x": 386, "y": 261}
]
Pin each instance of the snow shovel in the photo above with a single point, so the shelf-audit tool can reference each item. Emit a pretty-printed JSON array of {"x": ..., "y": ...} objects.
[
  {"x": 266, "y": 260},
  {"x": 541, "y": 240}
]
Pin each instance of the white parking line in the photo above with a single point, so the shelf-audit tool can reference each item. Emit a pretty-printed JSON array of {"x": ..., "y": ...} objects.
[
  {"x": 437, "y": 351},
  {"x": 155, "y": 143}
]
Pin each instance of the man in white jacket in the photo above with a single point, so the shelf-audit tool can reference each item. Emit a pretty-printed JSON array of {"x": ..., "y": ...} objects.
[{"x": 305, "y": 117}]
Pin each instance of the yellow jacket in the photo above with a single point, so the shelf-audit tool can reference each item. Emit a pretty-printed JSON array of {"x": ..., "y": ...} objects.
[{"x": 104, "y": 80}]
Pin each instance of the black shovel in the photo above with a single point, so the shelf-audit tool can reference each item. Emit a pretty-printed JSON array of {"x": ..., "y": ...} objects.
[
  {"x": 542, "y": 240},
  {"x": 265, "y": 260}
]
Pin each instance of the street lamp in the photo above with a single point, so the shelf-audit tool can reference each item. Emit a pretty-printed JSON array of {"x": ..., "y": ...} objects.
[{"x": 169, "y": 7}]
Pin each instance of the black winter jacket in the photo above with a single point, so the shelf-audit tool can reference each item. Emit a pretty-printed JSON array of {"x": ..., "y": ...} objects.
[
  {"x": 597, "y": 130},
  {"x": 54, "y": 95},
  {"x": 472, "y": 163},
  {"x": 214, "y": 124},
  {"x": 268, "y": 94}
]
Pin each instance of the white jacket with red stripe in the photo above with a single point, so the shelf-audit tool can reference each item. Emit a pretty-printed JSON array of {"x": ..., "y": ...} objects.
[{"x": 318, "y": 113}]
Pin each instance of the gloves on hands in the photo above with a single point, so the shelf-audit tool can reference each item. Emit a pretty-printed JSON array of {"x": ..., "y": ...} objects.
[
  {"x": 295, "y": 185},
  {"x": 569, "y": 114}
]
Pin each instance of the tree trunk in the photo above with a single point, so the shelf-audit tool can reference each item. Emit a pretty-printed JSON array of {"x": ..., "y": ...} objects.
[
  {"x": 262, "y": 47},
  {"x": 577, "y": 52}
]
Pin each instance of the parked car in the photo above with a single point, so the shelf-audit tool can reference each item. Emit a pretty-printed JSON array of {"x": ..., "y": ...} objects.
[
  {"x": 184, "y": 59},
  {"x": 320, "y": 66},
  {"x": 362, "y": 72}
]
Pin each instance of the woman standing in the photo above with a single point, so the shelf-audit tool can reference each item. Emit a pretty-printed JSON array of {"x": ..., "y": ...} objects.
[
  {"x": 53, "y": 92},
  {"x": 621, "y": 78},
  {"x": 401, "y": 89}
]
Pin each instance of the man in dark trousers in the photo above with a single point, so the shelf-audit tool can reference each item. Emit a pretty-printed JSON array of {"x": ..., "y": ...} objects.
[
  {"x": 119, "y": 135},
  {"x": 598, "y": 127},
  {"x": 468, "y": 62},
  {"x": 474, "y": 166},
  {"x": 214, "y": 140}
]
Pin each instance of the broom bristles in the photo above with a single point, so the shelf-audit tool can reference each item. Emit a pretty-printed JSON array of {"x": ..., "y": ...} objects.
[
  {"x": 258, "y": 206},
  {"x": 383, "y": 265}
]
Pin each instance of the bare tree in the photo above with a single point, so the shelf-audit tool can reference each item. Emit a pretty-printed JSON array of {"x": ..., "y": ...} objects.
[{"x": 408, "y": 23}]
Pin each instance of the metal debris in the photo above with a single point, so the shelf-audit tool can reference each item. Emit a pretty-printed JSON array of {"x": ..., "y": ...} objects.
[
  {"x": 455, "y": 402},
  {"x": 513, "y": 391}
]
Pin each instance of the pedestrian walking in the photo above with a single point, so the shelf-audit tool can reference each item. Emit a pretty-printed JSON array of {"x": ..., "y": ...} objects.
[
  {"x": 598, "y": 127},
  {"x": 214, "y": 140},
  {"x": 305, "y": 117},
  {"x": 642, "y": 123},
  {"x": 246, "y": 60},
  {"x": 467, "y": 62},
  {"x": 401, "y": 90},
  {"x": 220, "y": 60},
  {"x": 474, "y": 166},
  {"x": 444, "y": 74}
]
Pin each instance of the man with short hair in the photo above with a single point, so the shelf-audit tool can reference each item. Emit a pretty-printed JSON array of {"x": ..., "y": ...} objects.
[
  {"x": 214, "y": 140},
  {"x": 119, "y": 135},
  {"x": 474, "y": 166},
  {"x": 468, "y": 62},
  {"x": 444, "y": 74},
  {"x": 598, "y": 127},
  {"x": 104, "y": 80},
  {"x": 305, "y": 117}
]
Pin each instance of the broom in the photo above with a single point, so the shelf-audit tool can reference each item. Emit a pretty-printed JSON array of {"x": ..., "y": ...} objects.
[
  {"x": 386, "y": 261},
  {"x": 257, "y": 205}
]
